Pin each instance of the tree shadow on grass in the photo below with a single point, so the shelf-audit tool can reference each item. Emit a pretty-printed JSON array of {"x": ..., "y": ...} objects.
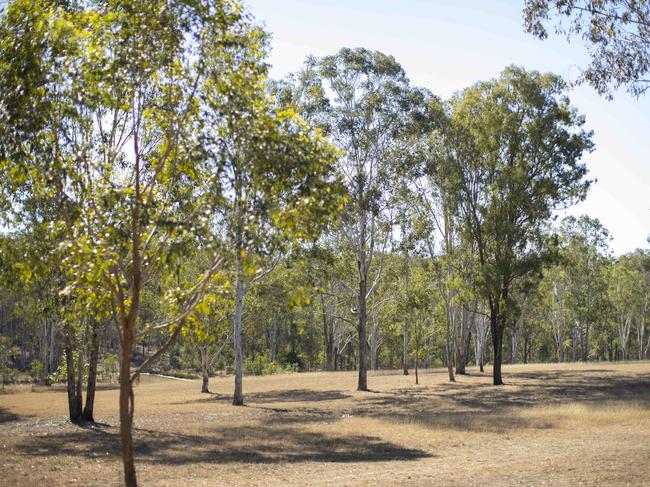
[
  {"x": 260, "y": 444},
  {"x": 255, "y": 398},
  {"x": 295, "y": 395},
  {"x": 7, "y": 416},
  {"x": 484, "y": 407}
]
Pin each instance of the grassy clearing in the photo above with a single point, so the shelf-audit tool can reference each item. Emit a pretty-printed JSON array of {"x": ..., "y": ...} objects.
[{"x": 549, "y": 425}]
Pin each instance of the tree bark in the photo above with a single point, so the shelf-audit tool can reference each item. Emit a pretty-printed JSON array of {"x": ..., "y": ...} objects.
[
  {"x": 405, "y": 349},
  {"x": 126, "y": 408},
  {"x": 92, "y": 373},
  {"x": 448, "y": 344},
  {"x": 74, "y": 399},
  {"x": 238, "y": 396},
  {"x": 417, "y": 379},
  {"x": 362, "y": 384},
  {"x": 462, "y": 350},
  {"x": 497, "y": 343},
  {"x": 205, "y": 369}
]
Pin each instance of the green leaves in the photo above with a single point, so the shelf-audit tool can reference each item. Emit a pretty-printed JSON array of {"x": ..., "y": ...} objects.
[{"x": 615, "y": 34}]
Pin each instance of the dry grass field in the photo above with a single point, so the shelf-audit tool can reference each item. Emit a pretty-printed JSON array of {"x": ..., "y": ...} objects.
[{"x": 569, "y": 424}]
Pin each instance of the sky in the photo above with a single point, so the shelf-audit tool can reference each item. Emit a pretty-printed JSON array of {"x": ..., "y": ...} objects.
[{"x": 447, "y": 45}]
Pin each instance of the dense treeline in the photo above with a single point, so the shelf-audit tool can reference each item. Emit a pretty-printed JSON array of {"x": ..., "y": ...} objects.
[
  {"x": 587, "y": 306},
  {"x": 167, "y": 207}
]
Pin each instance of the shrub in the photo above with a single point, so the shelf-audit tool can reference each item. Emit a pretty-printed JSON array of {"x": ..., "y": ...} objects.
[
  {"x": 37, "y": 372},
  {"x": 261, "y": 365},
  {"x": 109, "y": 367}
]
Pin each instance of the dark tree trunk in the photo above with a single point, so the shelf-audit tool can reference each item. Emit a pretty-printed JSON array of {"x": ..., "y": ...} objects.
[
  {"x": 205, "y": 382},
  {"x": 74, "y": 398},
  {"x": 417, "y": 379},
  {"x": 238, "y": 396},
  {"x": 328, "y": 335},
  {"x": 363, "y": 370},
  {"x": 405, "y": 350},
  {"x": 92, "y": 373},
  {"x": 497, "y": 343}
]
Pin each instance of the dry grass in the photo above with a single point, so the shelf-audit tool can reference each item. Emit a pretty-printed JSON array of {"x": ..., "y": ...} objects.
[{"x": 567, "y": 424}]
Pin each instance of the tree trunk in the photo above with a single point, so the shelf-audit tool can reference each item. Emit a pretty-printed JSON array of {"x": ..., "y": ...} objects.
[
  {"x": 497, "y": 343},
  {"x": 205, "y": 369},
  {"x": 526, "y": 348},
  {"x": 362, "y": 384},
  {"x": 405, "y": 350},
  {"x": 92, "y": 373},
  {"x": 74, "y": 399},
  {"x": 126, "y": 407},
  {"x": 462, "y": 350},
  {"x": 238, "y": 397},
  {"x": 449, "y": 348},
  {"x": 417, "y": 379}
]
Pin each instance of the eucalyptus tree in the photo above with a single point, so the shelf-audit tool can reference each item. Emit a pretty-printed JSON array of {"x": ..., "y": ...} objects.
[
  {"x": 96, "y": 128},
  {"x": 642, "y": 260},
  {"x": 106, "y": 119},
  {"x": 518, "y": 160},
  {"x": 585, "y": 258},
  {"x": 274, "y": 173},
  {"x": 364, "y": 104},
  {"x": 626, "y": 295},
  {"x": 616, "y": 34},
  {"x": 552, "y": 294}
]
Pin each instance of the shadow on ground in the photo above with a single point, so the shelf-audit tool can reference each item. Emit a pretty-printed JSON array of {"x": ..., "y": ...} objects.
[
  {"x": 282, "y": 434},
  {"x": 484, "y": 407},
  {"x": 6, "y": 416},
  {"x": 225, "y": 445}
]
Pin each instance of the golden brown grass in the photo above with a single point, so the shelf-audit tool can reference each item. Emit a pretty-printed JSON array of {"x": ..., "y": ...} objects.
[{"x": 567, "y": 424}]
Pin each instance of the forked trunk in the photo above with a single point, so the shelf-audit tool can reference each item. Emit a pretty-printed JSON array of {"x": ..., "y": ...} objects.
[{"x": 74, "y": 397}]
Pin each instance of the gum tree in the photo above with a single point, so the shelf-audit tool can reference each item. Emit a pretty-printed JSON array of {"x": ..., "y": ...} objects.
[
  {"x": 615, "y": 32},
  {"x": 106, "y": 122},
  {"x": 519, "y": 160},
  {"x": 364, "y": 103}
]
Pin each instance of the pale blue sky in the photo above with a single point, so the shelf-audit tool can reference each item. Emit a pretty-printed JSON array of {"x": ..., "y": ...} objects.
[{"x": 446, "y": 45}]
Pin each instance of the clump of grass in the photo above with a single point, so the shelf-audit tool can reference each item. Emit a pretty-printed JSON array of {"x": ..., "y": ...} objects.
[{"x": 578, "y": 414}]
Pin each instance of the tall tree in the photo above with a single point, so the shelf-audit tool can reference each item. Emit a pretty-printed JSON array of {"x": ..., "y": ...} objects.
[
  {"x": 102, "y": 118},
  {"x": 585, "y": 256},
  {"x": 363, "y": 102},
  {"x": 273, "y": 173},
  {"x": 518, "y": 159}
]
